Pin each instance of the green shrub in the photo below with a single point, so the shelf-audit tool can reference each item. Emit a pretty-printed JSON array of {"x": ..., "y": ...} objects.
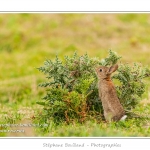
[{"x": 71, "y": 87}]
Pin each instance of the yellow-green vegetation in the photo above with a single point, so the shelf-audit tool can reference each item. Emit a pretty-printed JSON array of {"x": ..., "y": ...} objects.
[{"x": 27, "y": 40}]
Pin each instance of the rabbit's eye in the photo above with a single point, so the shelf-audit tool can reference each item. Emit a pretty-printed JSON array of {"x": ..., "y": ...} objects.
[{"x": 100, "y": 70}]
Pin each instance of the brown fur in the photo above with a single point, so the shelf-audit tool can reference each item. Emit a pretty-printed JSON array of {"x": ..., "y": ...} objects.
[{"x": 113, "y": 110}]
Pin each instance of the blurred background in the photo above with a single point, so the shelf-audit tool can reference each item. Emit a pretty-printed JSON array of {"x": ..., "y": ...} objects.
[{"x": 27, "y": 40}]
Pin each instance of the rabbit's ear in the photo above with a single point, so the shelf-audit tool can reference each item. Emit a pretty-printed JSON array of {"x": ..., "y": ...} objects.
[{"x": 112, "y": 69}]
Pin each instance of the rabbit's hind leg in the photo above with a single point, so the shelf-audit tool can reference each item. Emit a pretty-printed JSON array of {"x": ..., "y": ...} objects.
[{"x": 108, "y": 116}]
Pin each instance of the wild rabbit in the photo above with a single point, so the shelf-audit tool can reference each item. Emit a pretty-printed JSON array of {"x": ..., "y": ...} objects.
[{"x": 113, "y": 110}]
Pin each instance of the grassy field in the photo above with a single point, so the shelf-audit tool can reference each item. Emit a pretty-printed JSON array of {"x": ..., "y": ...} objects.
[{"x": 27, "y": 40}]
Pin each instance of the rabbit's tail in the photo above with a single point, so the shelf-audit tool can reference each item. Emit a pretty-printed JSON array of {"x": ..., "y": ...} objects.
[{"x": 123, "y": 118}]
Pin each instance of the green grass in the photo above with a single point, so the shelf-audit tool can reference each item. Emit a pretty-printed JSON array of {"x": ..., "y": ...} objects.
[{"x": 27, "y": 40}]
